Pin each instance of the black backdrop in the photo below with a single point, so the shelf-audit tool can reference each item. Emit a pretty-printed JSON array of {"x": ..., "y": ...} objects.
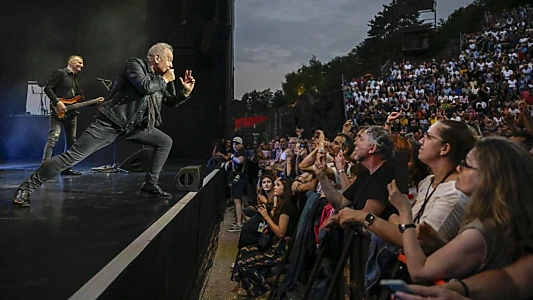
[{"x": 38, "y": 37}]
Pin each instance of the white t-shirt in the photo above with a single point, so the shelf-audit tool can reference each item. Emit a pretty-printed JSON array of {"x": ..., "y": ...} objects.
[
  {"x": 444, "y": 210},
  {"x": 283, "y": 156},
  {"x": 336, "y": 183}
]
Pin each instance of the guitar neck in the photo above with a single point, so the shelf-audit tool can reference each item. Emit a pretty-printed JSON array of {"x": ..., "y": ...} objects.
[{"x": 82, "y": 104}]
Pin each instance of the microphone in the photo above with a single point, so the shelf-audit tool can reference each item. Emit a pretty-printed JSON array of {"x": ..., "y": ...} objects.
[{"x": 171, "y": 88}]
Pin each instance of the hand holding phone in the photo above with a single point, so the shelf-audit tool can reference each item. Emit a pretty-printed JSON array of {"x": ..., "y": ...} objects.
[
  {"x": 396, "y": 285},
  {"x": 401, "y": 170}
]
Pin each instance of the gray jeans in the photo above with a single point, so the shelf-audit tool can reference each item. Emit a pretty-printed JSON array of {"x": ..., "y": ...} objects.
[
  {"x": 69, "y": 125},
  {"x": 98, "y": 135}
]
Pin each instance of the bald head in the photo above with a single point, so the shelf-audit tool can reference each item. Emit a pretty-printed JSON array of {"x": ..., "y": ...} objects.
[
  {"x": 160, "y": 57},
  {"x": 75, "y": 63}
]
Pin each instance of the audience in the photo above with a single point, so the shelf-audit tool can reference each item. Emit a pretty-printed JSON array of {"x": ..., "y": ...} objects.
[{"x": 467, "y": 215}]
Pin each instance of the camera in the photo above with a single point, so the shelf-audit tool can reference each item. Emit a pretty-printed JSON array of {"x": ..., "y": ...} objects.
[
  {"x": 236, "y": 178},
  {"x": 268, "y": 206}
]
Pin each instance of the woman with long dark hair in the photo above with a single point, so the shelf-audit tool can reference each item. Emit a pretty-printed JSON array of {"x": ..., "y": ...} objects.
[
  {"x": 252, "y": 228},
  {"x": 282, "y": 221}
]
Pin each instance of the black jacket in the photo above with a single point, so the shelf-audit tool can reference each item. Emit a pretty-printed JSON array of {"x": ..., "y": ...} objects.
[
  {"x": 62, "y": 84},
  {"x": 127, "y": 101}
]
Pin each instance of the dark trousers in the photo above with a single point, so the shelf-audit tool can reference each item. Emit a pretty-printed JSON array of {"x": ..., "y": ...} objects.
[
  {"x": 98, "y": 135},
  {"x": 69, "y": 125}
]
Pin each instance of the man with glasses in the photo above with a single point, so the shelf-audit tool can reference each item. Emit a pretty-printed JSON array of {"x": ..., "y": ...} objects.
[{"x": 132, "y": 111}]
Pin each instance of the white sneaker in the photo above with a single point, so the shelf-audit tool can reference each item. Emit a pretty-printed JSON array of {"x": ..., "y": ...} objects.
[{"x": 235, "y": 228}]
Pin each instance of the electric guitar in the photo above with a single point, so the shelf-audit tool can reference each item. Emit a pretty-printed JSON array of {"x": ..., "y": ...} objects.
[{"x": 71, "y": 104}]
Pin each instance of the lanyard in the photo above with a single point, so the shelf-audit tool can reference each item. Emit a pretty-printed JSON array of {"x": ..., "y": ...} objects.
[{"x": 426, "y": 199}]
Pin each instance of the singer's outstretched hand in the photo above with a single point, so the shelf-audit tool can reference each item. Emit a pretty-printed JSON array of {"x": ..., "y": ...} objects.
[{"x": 187, "y": 83}]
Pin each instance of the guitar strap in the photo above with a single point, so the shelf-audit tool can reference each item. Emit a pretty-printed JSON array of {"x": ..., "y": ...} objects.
[{"x": 77, "y": 86}]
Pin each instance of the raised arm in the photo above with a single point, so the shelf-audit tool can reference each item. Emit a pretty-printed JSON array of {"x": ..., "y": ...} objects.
[
  {"x": 336, "y": 199},
  {"x": 457, "y": 259},
  {"x": 174, "y": 99}
]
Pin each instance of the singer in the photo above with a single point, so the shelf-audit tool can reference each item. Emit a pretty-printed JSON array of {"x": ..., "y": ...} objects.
[{"x": 131, "y": 111}]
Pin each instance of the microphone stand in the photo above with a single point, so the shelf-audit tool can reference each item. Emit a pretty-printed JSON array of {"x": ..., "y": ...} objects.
[
  {"x": 107, "y": 168},
  {"x": 42, "y": 105}
]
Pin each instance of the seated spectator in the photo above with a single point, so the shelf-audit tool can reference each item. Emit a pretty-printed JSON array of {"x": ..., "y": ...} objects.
[
  {"x": 253, "y": 227},
  {"x": 252, "y": 261},
  {"x": 497, "y": 220}
]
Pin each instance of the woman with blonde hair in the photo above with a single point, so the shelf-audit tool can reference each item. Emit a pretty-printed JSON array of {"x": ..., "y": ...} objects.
[{"x": 497, "y": 227}]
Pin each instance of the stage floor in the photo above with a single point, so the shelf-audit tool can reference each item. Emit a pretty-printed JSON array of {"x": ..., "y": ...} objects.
[{"x": 74, "y": 227}]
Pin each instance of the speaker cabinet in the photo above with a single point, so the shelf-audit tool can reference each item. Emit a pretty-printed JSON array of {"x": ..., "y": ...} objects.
[{"x": 189, "y": 179}]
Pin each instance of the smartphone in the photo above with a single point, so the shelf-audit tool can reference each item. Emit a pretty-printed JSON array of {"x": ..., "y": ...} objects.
[
  {"x": 401, "y": 170},
  {"x": 396, "y": 285}
]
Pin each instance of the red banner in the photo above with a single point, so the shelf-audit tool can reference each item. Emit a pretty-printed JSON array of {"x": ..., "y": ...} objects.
[{"x": 249, "y": 122}]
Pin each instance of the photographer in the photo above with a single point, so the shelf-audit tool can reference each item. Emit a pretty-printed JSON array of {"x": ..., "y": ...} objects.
[{"x": 239, "y": 180}]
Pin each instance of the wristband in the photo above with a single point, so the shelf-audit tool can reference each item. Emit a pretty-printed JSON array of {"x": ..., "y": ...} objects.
[
  {"x": 340, "y": 171},
  {"x": 465, "y": 287}
]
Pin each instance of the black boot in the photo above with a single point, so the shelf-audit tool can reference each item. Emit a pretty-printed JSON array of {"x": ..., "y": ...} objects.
[
  {"x": 69, "y": 171},
  {"x": 21, "y": 198},
  {"x": 154, "y": 190}
]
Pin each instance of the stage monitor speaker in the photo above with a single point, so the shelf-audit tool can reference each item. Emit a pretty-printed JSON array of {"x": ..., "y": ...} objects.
[
  {"x": 215, "y": 162},
  {"x": 189, "y": 179},
  {"x": 139, "y": 161}
]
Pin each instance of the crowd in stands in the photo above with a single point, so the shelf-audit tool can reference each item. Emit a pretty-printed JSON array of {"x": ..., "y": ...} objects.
[
  {"x": 488, "y": 84},
  {"x": 454, "y": 216}
]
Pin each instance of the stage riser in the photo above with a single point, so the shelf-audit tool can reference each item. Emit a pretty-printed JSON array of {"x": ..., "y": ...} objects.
[{"x": 170, "y": 267}]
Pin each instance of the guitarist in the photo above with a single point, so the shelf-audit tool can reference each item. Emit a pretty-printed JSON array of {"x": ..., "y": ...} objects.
[{"x": 63, "y": 84}]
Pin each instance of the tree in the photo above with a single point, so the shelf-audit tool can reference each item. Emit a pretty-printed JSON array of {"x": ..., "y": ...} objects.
[{"x": 390, "y": 20}]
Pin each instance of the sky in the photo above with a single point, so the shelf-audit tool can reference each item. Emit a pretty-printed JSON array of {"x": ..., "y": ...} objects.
[{"x": 276, "y": 37}]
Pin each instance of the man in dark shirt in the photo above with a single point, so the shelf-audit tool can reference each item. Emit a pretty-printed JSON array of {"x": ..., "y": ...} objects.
[
  {"x": 368, "y": 192},
  {"x": 63, "y": 84},
  {"x": 132, "y": 111},
  {"x": 239, "y": 180}
]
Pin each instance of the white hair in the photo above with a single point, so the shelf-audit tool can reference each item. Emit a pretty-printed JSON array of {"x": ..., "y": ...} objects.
[{"x": 159, "y": 49}]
